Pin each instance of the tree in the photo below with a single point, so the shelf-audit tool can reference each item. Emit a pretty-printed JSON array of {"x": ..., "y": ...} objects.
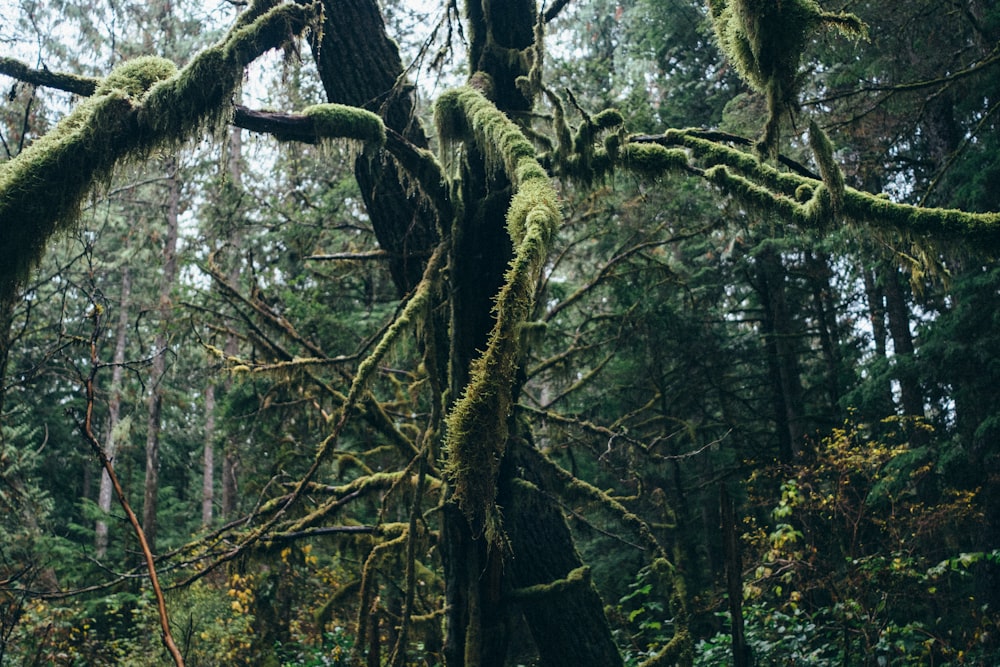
[{"x": 468, "y": 236}]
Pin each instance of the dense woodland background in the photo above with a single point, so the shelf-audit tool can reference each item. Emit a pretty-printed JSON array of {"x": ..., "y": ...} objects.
[{"x": 774, "y": 439}]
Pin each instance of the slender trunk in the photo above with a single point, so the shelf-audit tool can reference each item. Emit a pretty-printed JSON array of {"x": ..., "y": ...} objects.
[
  {"x": 208, "y": 458},
  {"x": 911, "y": 396},
  {"x": 6, "y": 321},
  {"x": 819, "y": 274},
  {"x": 734, "y": 578},
  {"x": 106, "y": 492},
  {"x": 152, "y": 483}
]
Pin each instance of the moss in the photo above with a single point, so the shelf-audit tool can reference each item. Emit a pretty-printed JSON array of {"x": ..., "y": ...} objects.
[
  {"x": 477, "y": 426},
  {"x": 579, "y": 577},
  {"x": 338, "y": 120},
  {"x": 765, "y": 40},
  {"x": 833, "y": 178},
  {"x": 136, "y": 77},
  {"x": 653, "y": 159},
  {"x": 608, "y": 118},
  {"x": 134, "y": 111}
]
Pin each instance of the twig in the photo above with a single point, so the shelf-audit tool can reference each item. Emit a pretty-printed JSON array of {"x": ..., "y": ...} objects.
[{"x": 86, "y": 427}]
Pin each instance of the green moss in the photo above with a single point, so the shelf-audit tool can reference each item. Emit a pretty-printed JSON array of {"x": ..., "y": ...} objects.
[
  {"x": 136, "y": 77},
  {"x": 477, "y": 427},
  {"x": 608, "y": 118},
  {"x": 142, "y": 106},
  {"x": 765, "y": 40},
  {"x": 338, "y": 120},
  {"x": 833, "y": 178},
  {"x": 653, "y": 159}
]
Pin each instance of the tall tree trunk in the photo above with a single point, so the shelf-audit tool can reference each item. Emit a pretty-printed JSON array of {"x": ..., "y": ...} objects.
[
  {"x": 230, "y": 452},
  {"x": 779, "y": 340},
  {"x": 208, "y": 458},
  {"x": 104, "y": 495},
  {"x": 818, "y": 274},
  {"x": 6, "y": 322},
  {"x": 911, "y": 396},
  {"x": 359, "y": 65},
  {"x": 152, "y": 482}
]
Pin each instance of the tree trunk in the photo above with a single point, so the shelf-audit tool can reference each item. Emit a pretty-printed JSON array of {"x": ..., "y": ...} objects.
[
  {"x": 152, "y": 483},
  {"x": 734, "y": 578},
  {"x": 779, "y": 341},
  {"x": 359, "y": 65},
  {"x": 106, "y": 491},
  {"x": 208, "y": 458},
  {"x": 911, "y": 396}
]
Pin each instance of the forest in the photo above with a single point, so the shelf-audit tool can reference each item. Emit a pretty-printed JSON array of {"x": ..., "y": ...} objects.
[{"x": 581, "y": 333}]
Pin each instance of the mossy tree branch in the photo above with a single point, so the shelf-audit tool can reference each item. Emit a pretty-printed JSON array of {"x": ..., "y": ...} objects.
[
  {"x": 143, "y": 105},
  {"x": 477, "y": 427}
]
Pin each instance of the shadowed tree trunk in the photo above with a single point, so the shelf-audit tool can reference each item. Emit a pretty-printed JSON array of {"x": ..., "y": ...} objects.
[
  {"x": 359, "y": 65},
  {"x": 779, "y": 341}
]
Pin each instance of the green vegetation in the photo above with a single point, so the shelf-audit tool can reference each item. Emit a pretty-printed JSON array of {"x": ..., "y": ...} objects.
[{"x": 669, "y": 338}]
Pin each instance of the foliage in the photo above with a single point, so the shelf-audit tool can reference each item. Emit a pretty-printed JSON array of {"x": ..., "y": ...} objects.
[{"x": 856, "y": 551}]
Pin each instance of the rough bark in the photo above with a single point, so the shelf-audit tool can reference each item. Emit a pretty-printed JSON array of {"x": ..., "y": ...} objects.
[
  {"x": 359, "y": 65},
  {"x": 106, "y": 491},
  {"x": 554, "y": 591}
]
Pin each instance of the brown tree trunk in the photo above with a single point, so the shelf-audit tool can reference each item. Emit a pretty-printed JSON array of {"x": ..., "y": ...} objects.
[
  {"x": 911, "y": 396},
  {"x": 779, "y": 336},
  {"x": 359, "y": 65},
  {"x": 104, "y": 496},
  {"x": 152, "y": 482}
]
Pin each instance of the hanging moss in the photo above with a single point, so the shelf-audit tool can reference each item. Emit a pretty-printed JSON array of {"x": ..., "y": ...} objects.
[
  {"x": 833, "y": 178},
  {"x": 765, "y": 39},
  {"x": 477, "y": 425}
]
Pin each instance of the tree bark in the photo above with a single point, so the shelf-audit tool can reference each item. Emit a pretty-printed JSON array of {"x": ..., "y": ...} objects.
[
  {"x": 104, "y": 496},
  {"x": 152, "y": 481},
  {"x": 779, "y": 335},
  {"x": 911, "y": 396}
]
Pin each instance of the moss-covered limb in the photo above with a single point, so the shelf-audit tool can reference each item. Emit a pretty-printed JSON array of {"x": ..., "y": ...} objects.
[
  {"x": 578, "y": 577},
  {"x": 833, "y": 177},
  {"x": 367, "y": 603},
  {"x": 573, "y": 489},
  {"x": 41, "y": 189},
  {"x": 343, "y": 495},
  {"x": 314, "y": 124},
  {"x": 981, "y": 230},
  {"x": 413, "y": 311},
  {"x": 653, "y": 159},
  {"x": 477, "y": 425},
  {"x": 71, "y": 83}
]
